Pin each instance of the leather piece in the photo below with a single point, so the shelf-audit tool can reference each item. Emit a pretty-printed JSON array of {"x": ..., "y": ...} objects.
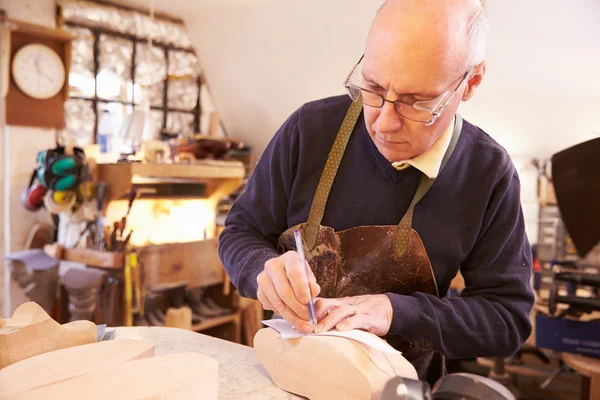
[{"x": 363, "y": 260}]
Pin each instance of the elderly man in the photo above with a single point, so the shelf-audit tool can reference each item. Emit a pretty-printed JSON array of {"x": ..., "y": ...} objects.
[{"x": 393, "y": 193}]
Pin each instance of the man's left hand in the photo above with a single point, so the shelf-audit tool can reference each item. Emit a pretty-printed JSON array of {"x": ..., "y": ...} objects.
[{"x": 371, "y": 313}]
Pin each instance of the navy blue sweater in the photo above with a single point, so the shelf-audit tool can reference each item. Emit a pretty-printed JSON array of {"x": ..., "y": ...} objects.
[{"x": 471, "y": 219}]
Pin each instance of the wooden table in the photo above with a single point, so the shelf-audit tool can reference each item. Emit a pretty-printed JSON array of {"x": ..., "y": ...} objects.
[
  {"x": 240, "y": 374},
  {"x": 590, "y": 369}
]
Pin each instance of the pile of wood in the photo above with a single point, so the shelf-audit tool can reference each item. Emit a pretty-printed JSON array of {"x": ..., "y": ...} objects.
[{"x": 41, "y": 359}]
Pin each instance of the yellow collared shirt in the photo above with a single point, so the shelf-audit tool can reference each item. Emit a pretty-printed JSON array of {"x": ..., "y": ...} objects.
[{"x": 430, "y": 162}]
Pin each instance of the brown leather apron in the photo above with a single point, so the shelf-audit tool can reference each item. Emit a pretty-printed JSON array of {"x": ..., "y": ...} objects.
[{"x": 369, "y": 259}]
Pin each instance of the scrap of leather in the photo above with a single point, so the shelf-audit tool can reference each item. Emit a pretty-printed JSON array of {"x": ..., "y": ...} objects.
[{"x": 363, "y": 260}]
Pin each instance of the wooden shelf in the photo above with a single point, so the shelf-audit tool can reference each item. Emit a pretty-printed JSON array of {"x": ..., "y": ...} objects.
[
  {"x": 219, "y": 177},
  {"x": 213, "y": 322},
  {"x": 26, "y": 27},
  {"x": 199, "y": 169}
]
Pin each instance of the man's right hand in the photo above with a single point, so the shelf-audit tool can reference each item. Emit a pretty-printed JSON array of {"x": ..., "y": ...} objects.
[{"x": 283, "y": 289}]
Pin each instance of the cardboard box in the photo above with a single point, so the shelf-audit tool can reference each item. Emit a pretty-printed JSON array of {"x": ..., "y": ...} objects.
[{"x": 568, "y": 335}]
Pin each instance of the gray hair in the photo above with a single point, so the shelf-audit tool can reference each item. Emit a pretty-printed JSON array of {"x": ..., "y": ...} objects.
[{"x": 477, "y": 33}]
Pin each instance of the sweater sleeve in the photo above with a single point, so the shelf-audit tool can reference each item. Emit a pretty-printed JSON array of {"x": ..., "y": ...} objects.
[
  {"x": 491, "y": 317},
  {"x": 259, "y": 215}
]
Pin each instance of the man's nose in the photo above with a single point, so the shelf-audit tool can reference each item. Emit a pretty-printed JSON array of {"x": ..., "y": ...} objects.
[{"x": 388, "y": 120}]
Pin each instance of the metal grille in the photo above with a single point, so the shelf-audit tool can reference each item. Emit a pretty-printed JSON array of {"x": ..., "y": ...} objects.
[{"x": 554, "y": 242}]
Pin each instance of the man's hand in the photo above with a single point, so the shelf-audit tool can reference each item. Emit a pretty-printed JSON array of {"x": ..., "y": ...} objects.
[
  {"x": 283, "y": 288},
  {"x": 371, "y": 313}
]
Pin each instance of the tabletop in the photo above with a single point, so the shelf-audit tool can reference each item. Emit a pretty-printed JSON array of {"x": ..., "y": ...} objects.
[{"x": 241, "y": 376}]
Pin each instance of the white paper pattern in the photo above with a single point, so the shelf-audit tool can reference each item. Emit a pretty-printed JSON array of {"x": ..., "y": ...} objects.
[{"x": 287, "y": 331}]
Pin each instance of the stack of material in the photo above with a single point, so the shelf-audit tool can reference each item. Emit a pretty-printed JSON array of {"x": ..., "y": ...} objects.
[
  {"x": 31, "y": 331},
  {"x": 116, "y": 369}
]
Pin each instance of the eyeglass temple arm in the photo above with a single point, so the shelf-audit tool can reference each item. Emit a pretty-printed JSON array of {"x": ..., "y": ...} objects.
[{"x": 353, "y": 69}]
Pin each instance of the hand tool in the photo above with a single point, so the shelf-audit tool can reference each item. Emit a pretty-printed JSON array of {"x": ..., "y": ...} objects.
[
  {"x": 311, "y": 304},
  {"x": 134, "y": 194},
  {"x": 101, "y": 189}
]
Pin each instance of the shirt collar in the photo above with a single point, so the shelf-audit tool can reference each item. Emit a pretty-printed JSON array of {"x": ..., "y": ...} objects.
[{"x": 430, "y": 162}]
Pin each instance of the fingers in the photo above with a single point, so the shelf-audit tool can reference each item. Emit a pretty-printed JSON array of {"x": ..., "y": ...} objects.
[
  {"x": 315, "y": 289},
  {"x": 314, "y": 286},
  {"x": 358, "y": 321},
  {"x": 274, "y": 302},
  {"x": 264, "y": 301},
  {"x": 286, "y": 294},
  {"x": 326, "y": 306},
  {"x": 276, "y": 271},
  {"x": 296, "y": 273},
  {"x": 335, "y": 316}
]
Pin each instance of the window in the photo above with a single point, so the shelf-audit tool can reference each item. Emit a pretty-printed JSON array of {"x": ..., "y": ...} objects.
[{"x": 113, "y": 69}]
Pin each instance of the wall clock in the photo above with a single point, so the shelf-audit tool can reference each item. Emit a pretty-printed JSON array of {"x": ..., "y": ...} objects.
[
  {"x": 40, "y": 58},
  {"x": 38, "y": 71}
]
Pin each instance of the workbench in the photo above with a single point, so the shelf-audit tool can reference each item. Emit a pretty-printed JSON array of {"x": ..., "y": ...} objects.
[{"x": 240, "y": 374}]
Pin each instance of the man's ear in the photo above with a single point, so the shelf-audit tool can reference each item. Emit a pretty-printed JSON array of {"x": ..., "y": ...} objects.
[{"x": 475, "y": 81}]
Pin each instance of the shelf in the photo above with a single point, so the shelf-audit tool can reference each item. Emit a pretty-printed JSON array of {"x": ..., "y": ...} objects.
[
  {"x": 212, "y": 322},
  {"x": 33, "y": 29},
  {"x": 219, "y": 177},
  {"x": 198, "y": 170}
]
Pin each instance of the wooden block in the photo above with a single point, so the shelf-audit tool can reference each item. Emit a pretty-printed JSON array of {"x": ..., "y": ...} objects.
[
  {"x": 174, "y": 376},
  {"x": 179, "y": 318},
  {"x": 60, "y": 365},
  {"x": 94, "y": 258},
  {"x": 31, "y": 331},
  {"x": 196, "y": 263},
  {"x": 327, "y": 367}
]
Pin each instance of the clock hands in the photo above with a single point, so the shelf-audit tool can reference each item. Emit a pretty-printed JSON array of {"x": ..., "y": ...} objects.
[{"x": 41, "y": 72}]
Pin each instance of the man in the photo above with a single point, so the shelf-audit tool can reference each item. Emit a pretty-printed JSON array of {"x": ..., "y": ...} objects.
[{"x": 393, "y": 193}]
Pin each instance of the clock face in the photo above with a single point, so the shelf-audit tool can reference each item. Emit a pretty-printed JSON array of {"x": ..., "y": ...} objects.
[{"x": 38, "y": 71}]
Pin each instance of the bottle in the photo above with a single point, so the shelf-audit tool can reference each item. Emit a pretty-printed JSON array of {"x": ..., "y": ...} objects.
[{"x": 104, "y": 132}]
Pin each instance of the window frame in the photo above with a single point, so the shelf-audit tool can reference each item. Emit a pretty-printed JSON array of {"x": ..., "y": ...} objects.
[{"x": 95, "y": 100}]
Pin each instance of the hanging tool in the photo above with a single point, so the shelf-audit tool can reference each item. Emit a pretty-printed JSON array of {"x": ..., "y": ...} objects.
[
  {"x": 134, "y": 194},
  {"x": 101, "y": 190}
]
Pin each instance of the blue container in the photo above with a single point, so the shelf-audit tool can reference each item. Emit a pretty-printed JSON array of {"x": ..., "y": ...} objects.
[
  {"x": 103, "y": 143},
  {"x": 568, "y": 335}
]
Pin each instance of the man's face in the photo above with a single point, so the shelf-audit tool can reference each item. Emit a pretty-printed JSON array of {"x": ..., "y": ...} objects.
[
  {"x": 411, "y": 56},
  {"x": 396, "y": 137}
]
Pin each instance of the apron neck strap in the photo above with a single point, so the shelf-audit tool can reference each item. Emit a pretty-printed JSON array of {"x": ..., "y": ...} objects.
[
  {"x": 405, "y": 225},
  {"x": 334, "y": 160},
  {"x": 317, "y": 209}
]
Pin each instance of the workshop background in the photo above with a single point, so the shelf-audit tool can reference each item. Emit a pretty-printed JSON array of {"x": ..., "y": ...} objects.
[{"x": 259, "y": 60}]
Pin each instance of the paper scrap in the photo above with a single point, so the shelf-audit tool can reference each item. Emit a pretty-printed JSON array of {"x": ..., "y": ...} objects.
[
  {"x": 287, "y": 331},
  {"x": 100, "y": 330}
]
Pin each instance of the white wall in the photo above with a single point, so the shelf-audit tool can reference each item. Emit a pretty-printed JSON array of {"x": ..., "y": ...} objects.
[
  {"x": 24, "y": 143},
  {"x": 264, "y": 58}
]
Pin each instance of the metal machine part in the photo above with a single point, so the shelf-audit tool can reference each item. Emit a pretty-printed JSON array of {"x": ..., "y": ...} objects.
[
  {"x": 573, "y": 278},
  {"x": 463, "y": 386},
  {"x": 457, "y": 386},
  {"x": 399, "y": 388}
]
